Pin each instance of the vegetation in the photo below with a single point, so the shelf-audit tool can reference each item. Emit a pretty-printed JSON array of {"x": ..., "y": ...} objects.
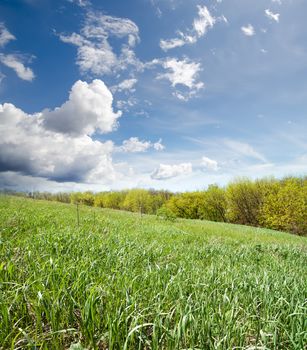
[
  {"x": 119, "y": 280},
  {"x": 269, "y": 203}
]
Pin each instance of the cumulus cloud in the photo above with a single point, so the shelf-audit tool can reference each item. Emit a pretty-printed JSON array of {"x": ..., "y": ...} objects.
[
  {"x": 134, "y": 145},
  {"x": 15, "y": 62},
  {"x": 181, "y": 73},
  {"x": 271, "y": 15},
  {"x": 29, "y": 146},
  {"x": 5, "y": 35},
  {"x": 201, "y": 25},
  {"x": 88, "y": 109},
  {"x": 248, "y": 30},
  {"x": 95, "y": 54},
  {"x": 209, "y": 164},
  {"x": 166, "y": 171}
]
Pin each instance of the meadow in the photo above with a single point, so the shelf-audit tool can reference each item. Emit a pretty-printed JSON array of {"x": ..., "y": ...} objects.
[{"x": 120, "y": 280}]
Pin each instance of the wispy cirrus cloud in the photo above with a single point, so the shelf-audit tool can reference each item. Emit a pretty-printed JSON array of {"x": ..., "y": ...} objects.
[
  {"x": 5, "y": 35},
  {"x": 201, "y": 24},
  {"x": 244, "y": 149},
  {"x": 14, "y": 61},
  {"x": 272, "y": 16}
]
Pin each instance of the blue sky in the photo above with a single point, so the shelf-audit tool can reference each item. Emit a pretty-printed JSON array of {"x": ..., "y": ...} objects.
[{"x": 166, "y": 94}]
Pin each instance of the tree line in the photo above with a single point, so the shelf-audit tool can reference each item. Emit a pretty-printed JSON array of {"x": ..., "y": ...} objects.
[{"x": 279, "y": 204}]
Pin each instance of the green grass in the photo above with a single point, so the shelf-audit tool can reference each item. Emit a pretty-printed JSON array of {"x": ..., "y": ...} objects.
[{"x": 122, "y": 281}]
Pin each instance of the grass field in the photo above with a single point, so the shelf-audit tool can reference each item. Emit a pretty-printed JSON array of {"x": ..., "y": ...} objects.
[{"x": 122, "y": 281}]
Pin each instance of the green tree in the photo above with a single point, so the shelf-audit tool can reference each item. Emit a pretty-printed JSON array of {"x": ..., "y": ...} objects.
[
  {"x": 214, "y": 204},
  {"x": 244, "y": 201}
]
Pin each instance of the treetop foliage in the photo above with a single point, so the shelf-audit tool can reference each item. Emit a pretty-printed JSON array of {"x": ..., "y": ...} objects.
[{"x": 271, "y": 203}]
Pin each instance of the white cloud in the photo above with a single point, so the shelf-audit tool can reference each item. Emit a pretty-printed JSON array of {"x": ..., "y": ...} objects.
[
  {"x": 81, "y": 3},
  {"x": 248, "y": 30},
  {"x": 166, "y": 171},
  {"x": 5, "y": 35},
  {"x": 223, "y": 19},
  {"x": 158, "y": 146},
  {"x": 88, "y": 109},
  {"x": 2, "y": 76},
  {"x": 271, "y": 15},
  {"x": 244, "y": 149},
  {"x": 126, "y": 104},
  {"x": 29, "y": 146},
  {"x": 15, "y": 62},
  {"x": 201, "y": 24},
  {"x": 209, "y": 164},
  {"x": 127, "y": 84},
  {"x": 182, "y": 73},
  {"x": 171, "y": 43},
  {"x": 95, "y": 55},
  {"x": 134, "y": 145},
  {"x": 204, "y": 21}
]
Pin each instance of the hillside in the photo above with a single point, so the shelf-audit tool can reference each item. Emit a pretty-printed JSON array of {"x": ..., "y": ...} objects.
[{"x": 119, "y": 280}]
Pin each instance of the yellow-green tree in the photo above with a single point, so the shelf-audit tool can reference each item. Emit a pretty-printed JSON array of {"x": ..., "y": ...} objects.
[
  {"x": 138, "y": 200},
  {"x": 285, "y": 207}
]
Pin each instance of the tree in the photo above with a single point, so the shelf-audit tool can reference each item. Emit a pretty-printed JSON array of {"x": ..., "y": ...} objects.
[
  {"x": 244, "y": 201},
  {"x": 138, "y": 200},
  {"x": 214, "y": 206},
  {"x": 285, "y": 207}
]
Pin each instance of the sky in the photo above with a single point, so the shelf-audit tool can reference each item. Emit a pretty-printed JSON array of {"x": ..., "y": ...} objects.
[{"x": 166, "y": 94}]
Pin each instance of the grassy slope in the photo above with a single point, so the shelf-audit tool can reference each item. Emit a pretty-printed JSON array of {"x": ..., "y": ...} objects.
[{"x": 125, "y": 281}]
